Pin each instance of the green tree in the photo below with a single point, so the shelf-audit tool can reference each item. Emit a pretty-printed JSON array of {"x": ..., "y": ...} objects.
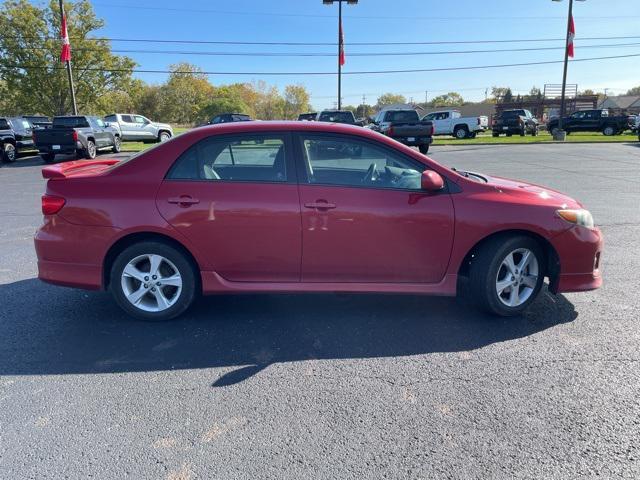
[
  {"x": 296, "y": 101},
  {"x": 185, "y": 94},
  {"x": 148, "y": 102},
  {"x": 389, "y": 99},
  {"x": 269, "y": 104},
  {"x": 224, "y": 104},
  {"x": 449, "y": 99},
  {"x": 30, "y": 66},
  {"x": 634, "y": 91},
  {"x": 364, "y": 111}
]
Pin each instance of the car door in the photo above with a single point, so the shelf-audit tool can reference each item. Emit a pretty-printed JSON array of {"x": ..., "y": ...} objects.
[
  {"x": 235, "y": 197},
  {"x": 144, "y": 127},
  {"x": 128, "y": 128},
  {"x": 443, "y": 123},
  {"x": 104, "y": 132},
  {"x": 365, "y": 218}
]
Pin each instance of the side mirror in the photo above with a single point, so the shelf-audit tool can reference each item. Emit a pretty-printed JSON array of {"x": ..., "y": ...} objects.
[{"x": 431, "y": 181}]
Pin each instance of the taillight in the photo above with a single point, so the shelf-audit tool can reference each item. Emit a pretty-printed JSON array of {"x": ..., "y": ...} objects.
[
  {"x": 75, "y": 136},
  {"x": 390, "y": 131},
  {"x": 433, "y": 130},
  {"x": 52, "y": 204}
]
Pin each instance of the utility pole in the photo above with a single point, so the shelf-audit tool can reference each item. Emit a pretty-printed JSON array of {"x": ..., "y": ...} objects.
[
  {"x": 340, "y": 43},
  {"x": 65, "y": 35},
  {"x": 426, "y": 97}
]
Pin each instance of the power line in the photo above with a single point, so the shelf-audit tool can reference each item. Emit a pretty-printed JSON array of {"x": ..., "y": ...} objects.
[
  {"x": 352, "y": 54},
  {"x": 364, "y": 72},
  {"x": 315, "y": 44}
]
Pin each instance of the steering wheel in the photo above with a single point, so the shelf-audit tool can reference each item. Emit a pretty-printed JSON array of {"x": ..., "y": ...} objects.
[{"x": 372, "y": 174}]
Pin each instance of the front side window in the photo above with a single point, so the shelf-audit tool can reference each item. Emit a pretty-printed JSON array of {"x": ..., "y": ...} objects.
[
  {"x": 254, "y": 158},
  {"x": 100, "y": 123},
  {"x": 431, "y": 116},
  {"x": 138, "y": 119},
  {"x": 111, "y": 118},
  {"x": 352, "y": 162},
  {"x": 4, "y": 125}
]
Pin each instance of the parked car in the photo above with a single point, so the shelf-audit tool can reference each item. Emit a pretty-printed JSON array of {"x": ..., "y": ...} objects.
[
  {"x": 21, "y": 130},
  {"x": 591, "y": 121},
  {"x": 308, "y": 117},
  {"x": 7, "y": 142},
  {"x": 518, "y": 121},
  {"x": 381, "y": 221},
  {"x": 229, "y": 118},
  {"x": 339, "y": 116},
  {"x": 451, "y": 122},
  {"x": 136, "y": 128},
  {"x": 405, "y": 126},
  {"x": 38, "y": 121},
  {"x": 83, "y": 135}
]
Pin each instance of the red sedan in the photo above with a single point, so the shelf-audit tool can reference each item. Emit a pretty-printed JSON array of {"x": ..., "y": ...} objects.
[{"x": 305, "y": 207}]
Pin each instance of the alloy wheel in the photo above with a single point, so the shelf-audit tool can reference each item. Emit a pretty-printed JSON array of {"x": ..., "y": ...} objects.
[
  {"x": 151, "y": 283},
  {"x": 517, "y": 277}
]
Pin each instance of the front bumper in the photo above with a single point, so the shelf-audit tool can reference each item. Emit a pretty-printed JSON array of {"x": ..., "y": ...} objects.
[{"x": 579, "y": 250}]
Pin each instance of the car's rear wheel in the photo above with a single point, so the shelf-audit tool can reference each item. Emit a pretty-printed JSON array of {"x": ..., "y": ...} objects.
[
  {"x": 153, "y": 281},
  {"x": 609, "y": 131},
  {"x": 424, "y": 149},
  {"x": 90, "y": 151},
  {"x": 495, "y": 134},
  {"x": 506, "y": 274},
  {"x": 117, "y": 144},
  {"x": 9, "y": 154},
  {"x": 461, "y": 133}
]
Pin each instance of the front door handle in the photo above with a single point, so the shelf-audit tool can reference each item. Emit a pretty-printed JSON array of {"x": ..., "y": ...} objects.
[
  {"x": 320, "y": 205},
  {"x": 183, "y": 200}
]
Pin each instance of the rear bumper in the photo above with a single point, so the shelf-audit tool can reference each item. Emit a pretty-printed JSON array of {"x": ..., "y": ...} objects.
[
  {"x": 579, "y": 250},
  {"x": 63, "y": 150},
  {"x": 72, "y": 255},
  {"x": 417, "y": 141}
]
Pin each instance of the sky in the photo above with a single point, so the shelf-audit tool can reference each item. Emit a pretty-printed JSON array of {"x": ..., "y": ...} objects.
[{"x": 386, "y": 21}]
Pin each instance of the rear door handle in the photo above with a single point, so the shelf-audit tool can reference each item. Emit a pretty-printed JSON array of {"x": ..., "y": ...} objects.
[
  {"x": 183, "y": 200},
  {"x": 320, "y": 205}
]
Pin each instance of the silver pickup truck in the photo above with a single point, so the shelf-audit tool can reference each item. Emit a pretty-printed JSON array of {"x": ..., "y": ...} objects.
[{"x": 136, "y": 128}]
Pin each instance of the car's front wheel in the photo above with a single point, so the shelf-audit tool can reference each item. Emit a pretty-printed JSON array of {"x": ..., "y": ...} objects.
[
  {"x": 507, "y": 274},
  {"x": 9, "y": 154},
  {"x": 153, "y": 281},
  {"x": 424, "y": 149},
  {"x": 164, "y": 136}
]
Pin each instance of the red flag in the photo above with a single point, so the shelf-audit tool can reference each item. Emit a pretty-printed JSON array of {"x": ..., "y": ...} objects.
[
  {"x": 571, "y": 36},
  {"x": 65, "y": 55},
  {"x": 341, "y": 40}
]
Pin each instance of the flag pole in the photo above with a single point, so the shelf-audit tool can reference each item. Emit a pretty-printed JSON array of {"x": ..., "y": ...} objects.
[
  {"x": 68, "y": 61},
  {"x": 566, "y": 62},
  {"x": 340, "y": 50}
]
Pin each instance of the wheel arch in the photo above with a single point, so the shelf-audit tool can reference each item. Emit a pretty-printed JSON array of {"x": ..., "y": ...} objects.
[
  {"x": 136, "y": 237},
  {"x": 551, "y": 261},
  {"x": 461, "y": 125},
  {"x": 164, "y": 130}
]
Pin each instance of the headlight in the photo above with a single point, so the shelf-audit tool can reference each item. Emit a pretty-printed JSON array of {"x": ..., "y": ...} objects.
[{"x": 577, "y": 217}]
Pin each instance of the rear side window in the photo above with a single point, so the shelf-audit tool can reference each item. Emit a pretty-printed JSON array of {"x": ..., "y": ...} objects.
[
  {"x": 254, "y": 158},
  {"x": 398, "y": 117},
  {"x": 111, "y": 118}
]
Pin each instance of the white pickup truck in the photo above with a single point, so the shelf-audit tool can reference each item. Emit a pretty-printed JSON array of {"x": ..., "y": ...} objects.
[{"x": 451, "y": 122}]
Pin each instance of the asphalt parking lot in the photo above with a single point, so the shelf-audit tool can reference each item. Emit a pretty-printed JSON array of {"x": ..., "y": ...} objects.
[{"x": 331, "y": 386}]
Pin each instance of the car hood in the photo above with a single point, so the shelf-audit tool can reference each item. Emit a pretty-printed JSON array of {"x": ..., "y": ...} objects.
[
  {"x": 532, "y": 193},
  {"x": 162, "y": 125}
]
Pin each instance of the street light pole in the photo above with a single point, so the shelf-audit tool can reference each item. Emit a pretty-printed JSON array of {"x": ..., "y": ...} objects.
[{"x": 340, "y": 43}]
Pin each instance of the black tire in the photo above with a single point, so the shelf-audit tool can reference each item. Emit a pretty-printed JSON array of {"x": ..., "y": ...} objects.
[
  {"x": 190, "y": 284},
  {"x": 163, "y": 136},
  {"x": 48, "y": 157},
  {"x": 523, "y": 132},
  {"x": 117, "y": 144},
  {"x": 609, "y": 131},
  {"x": 9, "y": 153},
  {"x": 424, "y": 149},
  {"x": 495, "y": 134},
  {"x": 534, "y": 132},
  {"x": 486, "y": 267},
  {"x": 90, "y": 150},
  {"x": 461, "y": 133}
]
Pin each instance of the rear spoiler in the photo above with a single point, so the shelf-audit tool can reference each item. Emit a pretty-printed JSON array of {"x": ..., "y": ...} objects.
[{"x": 63, "y": 170}]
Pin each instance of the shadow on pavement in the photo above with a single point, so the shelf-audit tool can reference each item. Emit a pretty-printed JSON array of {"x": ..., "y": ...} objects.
[{"x": 46, "y": 330}]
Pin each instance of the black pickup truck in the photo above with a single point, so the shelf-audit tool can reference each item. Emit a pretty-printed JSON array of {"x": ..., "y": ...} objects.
[
  {"x": 83, "y": 135},
  {"x": 518, "y": 121},
  {"x": 21, "y": 129},
  {"x": 406, "y": 127},
  {"x": 591, "y": 121},
  {"x": 7, "y": 142}
]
